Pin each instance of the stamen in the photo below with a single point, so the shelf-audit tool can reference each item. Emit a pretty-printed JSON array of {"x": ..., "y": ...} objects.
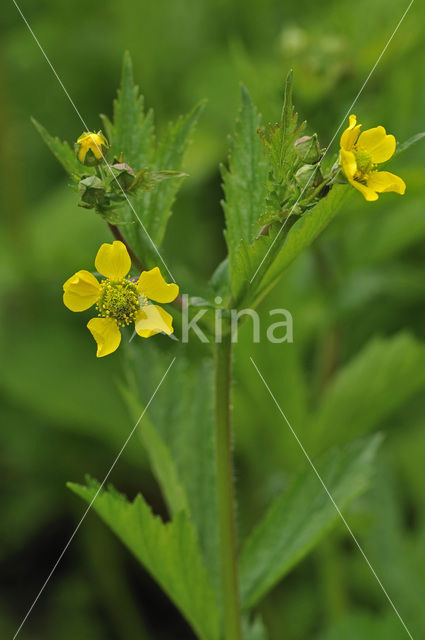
[
  {"x": 118, "y": 300},
  {"x": 364, "y": 161}
]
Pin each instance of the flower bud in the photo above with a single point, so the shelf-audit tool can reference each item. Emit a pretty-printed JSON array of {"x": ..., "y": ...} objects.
[
  {"x": 91, "y": 148},
  {"x": 124, "y": 175},
  {"x": 307, "y": 149},
  {"x": 92, "y": 190},
  {"x": 309, "y": 175}
]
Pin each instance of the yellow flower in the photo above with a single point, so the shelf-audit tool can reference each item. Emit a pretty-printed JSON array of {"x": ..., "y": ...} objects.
[
  {"x": 361, "y": 153},
  {"x": 120, "y": 300},
  {"x": 91, "y": 148}
]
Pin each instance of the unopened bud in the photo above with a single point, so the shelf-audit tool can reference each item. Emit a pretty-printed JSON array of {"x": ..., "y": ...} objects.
[
  {"x": 307, "y": 149},
  {"x": 123, "y": 175},
  {"x": 92, "y": 190},
  {"x": 309, "y": 175}
]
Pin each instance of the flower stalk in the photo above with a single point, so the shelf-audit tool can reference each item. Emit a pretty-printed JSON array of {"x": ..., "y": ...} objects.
[{"x": 225, "y": 490}]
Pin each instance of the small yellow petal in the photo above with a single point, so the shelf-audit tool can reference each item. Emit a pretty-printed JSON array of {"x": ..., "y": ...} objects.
[
  {"x": 153, "y": 319},
  {"x": 81, "y": 291},
  {"x": 383, "y": 181},
  {"x": 113, "y": 261},
  {"x": 377, "y": 143},
  {"x": 369, "y": 194},
  {"x": 347, "y": 160},
  {"x": 152, "y": 285},
  {"x": 92, "y": 141},
  {"x": 106, "y": 333},
  {"x": 350, "y": 135},
  {"x": 82, "y": 152}
]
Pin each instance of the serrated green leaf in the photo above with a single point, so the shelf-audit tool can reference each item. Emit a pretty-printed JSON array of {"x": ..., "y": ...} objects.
[
  {"x": 168, "y": 551},
  {"x": 160, "y": 458},
  {"x": 247, "y": 260},
  {"x": 280, "y": 139},
  {"x": 301, "y": 516},
  {"x": 184, "y": 420},
  {"x": 131, "y": 132},
  {"x": 220, "y": 281},
  {"x": 268, "y": 256},
  {"x": 63, "y": 152},
  {"x": 258, "y": 262},
  {"x": 245, "y": 181},
  {"x": 370, "y": 387},
  {"x": 304, "y": 232},
  {"x": 154, "y": 207}
]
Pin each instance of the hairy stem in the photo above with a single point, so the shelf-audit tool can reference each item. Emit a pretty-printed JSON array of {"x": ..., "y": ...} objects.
[{"x": 225, "y": 489}]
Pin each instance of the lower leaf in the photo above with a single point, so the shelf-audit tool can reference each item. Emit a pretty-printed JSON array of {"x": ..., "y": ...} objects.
[
  {"x": 301, "y": 516},
  {"x": 170, "y": 552}
]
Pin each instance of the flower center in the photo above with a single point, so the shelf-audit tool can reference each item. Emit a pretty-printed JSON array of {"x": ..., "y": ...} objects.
[
  {"x": 118, "y": 300},
  {"x": 364, "y": 161}
]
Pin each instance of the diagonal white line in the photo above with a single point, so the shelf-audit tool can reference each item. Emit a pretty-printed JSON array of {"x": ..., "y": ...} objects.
[
  {"x": 94, "y": 498},
  {"x": 332, "y": 500},
  {"x": 87, "y": 129},
  {"x": 335, "y": 135}
]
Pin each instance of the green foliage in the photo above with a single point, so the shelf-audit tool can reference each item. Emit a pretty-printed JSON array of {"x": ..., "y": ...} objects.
[
  {"x": 302, "y": 234},
  {"x": 155, "y": 206},
  {"x": 269, "y": 255},
  {"x": 156, "y": 165},
  {"x": 254, "y": 630},
  {"x": 168, "y": 551},
  {"x": 59, "y": 403},
  {"x": 301, "y": 516},
  {"x": 131, "y": 132},
  {"x": 245, "y": 181},
  {"x": 132, "y": 140},
  {"x": 401, "y": 148},
  {"x": 160, "y": 459},
  {"x": 397, "y": 552},
  {"x": 184, "y": 421},
  {"x": 366, "y": 627},
  {"x": 63, "y": 152},
  {"x": 380, "y": 379},
  {"x": 279, "y": 142},
  {"x": 260, "y": 192}
]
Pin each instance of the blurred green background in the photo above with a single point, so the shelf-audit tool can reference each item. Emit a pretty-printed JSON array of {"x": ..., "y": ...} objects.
[{"x": 357, "y": 298}]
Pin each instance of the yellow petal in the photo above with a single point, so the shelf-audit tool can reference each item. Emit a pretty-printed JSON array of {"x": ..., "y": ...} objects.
[
  {"x": 347, "y": 160},
  {"x": 376, "y": 142},
  {"x": 152, "y": 319},
  {"x": 81, "y": 291},
  {"x": 113, "y": 261},
  {"x": 382, "y": 181},
  {"x": 369, "y": 194},
  {"x": 106, "y": 333},
  {"x": 82, "y": 152},
  {"x": 350, "y": 135},
  {"x": 152, "y": 285},
  {"x": 92, "y": 141}
]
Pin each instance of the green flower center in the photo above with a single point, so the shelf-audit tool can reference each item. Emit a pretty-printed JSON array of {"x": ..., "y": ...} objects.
[
  {"x": 364, "y": 161},
  {"x": 118, "y": 300}
]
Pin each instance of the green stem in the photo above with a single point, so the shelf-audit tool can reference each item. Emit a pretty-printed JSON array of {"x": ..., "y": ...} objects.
[{"x": 225, "y": 490}]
